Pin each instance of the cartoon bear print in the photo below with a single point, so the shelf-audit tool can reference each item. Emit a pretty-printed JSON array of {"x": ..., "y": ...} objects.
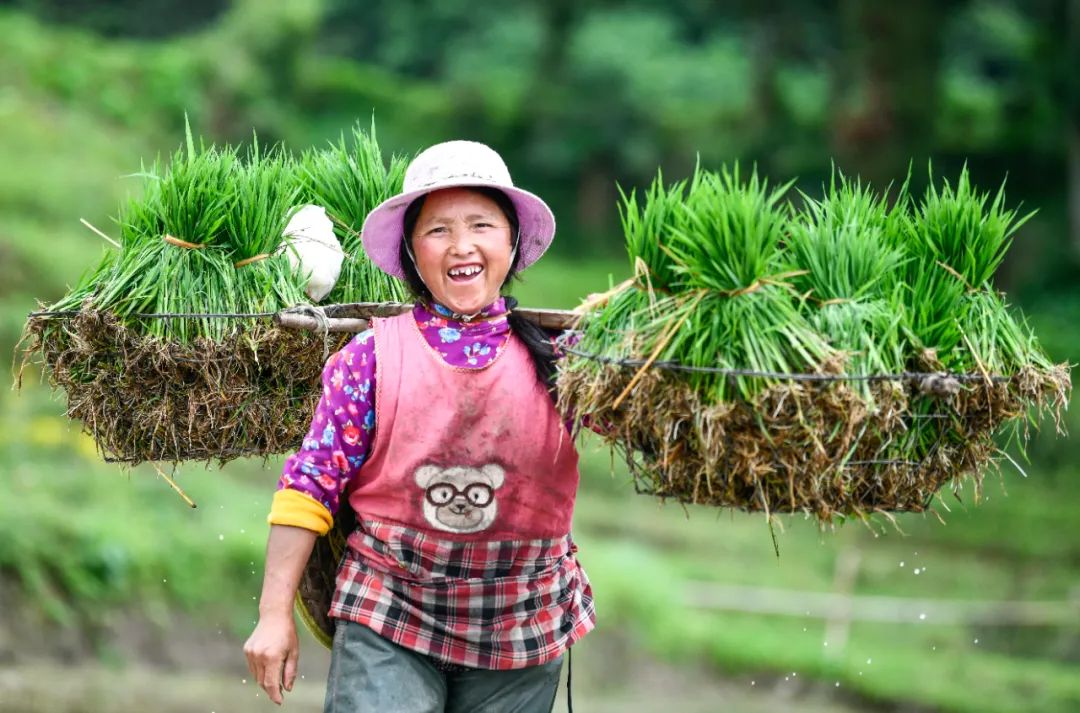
[{"x": 460, "y": 498}]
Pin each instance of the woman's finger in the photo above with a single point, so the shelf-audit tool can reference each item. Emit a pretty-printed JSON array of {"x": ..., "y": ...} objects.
[
  {"x": 251, "y": 663},
  {"x": 291, "y": 662},
  {"x": 271, "y": 680}
]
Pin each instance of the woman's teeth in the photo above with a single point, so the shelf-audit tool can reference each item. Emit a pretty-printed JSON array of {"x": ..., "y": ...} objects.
[{"x": 463, "y": 273}]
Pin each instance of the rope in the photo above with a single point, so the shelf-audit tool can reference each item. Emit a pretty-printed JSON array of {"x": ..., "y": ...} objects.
[
  {"x": 253, "y": 258},
  {"x": 320, "y": 315},
  {"x": 173, "y": 240}
]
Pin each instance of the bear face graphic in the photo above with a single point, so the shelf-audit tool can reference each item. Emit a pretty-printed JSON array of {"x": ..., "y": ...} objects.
[{"x": 460, "y": 498}]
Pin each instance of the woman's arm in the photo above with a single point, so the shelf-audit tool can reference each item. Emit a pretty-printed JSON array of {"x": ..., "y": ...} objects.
[
  {"x": 273, "y": 650},
  {"x": 304, "y": 506},
  {"x": 314, "y": 478}
]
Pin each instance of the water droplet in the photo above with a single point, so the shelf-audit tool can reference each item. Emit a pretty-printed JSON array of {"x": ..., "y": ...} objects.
[
  {"x": 826, "y": 643},
  {"x": 916, "y": 570},
  {"x": 869, "y": 661},
  {"x": 933, "y": 648},
  {"x": 793, "y": 674},
  {"x": 243, "y": 680},
  {"x": 753, "y": 683},
  {"x": 976, "y": 641},
  {"x": 860, "y": 673},
  {"x": 922, "y": 617},
  {"x": 241, "y": 531},
  {"x": 838, "y": 684},
  {"x": 804, "y": 628},
  {"x": 901, "y": 564},
  {"x": 221, "y": 537},
  {"x": 785, "y": 678}
]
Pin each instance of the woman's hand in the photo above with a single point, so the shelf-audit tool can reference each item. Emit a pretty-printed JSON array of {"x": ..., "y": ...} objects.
[{"x": 272, "y": 652}]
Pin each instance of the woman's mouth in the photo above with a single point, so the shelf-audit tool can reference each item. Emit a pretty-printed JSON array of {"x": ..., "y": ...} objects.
[{"x": 464, "y": 273}]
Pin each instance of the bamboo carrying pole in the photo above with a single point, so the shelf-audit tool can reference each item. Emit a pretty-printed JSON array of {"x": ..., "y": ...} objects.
[{"x": 356, "y": 317}]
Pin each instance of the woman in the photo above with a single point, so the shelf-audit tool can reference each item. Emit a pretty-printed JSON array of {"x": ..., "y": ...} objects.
[{"x": 460, "y": 590}]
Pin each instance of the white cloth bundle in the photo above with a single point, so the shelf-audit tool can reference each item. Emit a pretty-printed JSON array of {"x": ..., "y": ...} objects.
[{"x": 312, "y": 247}]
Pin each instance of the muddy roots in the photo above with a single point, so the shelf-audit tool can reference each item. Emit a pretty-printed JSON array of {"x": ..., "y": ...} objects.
[
  {"x": 823, "y": 448},
  {"x": 142, "y": 399}
]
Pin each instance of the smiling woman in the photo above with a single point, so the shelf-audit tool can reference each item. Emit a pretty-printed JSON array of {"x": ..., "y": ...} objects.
[{"x": 460, "y": 588}]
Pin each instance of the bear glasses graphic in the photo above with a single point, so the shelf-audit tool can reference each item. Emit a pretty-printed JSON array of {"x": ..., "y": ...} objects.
[
  {"x": 460, "y": 498},
  {"x": 476, "y": 494}
]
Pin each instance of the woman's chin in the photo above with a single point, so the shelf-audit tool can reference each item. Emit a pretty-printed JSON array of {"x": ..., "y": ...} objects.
[{"x": 468, "y": 303}]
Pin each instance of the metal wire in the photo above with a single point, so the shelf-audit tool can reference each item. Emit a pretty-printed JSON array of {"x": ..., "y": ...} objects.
[
  {"x": 676, "y": 366},
  {"x": 161, "y": 315}
]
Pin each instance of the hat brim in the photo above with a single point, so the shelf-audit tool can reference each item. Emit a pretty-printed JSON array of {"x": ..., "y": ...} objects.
[{"x": 385, "y": 225}]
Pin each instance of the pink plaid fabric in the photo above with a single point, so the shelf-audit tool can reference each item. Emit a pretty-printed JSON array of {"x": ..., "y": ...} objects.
[{"x": 488, "y": 604}]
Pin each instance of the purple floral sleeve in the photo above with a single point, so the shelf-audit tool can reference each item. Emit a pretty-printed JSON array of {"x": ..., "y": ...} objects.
[{"x": 339, "y": 439}]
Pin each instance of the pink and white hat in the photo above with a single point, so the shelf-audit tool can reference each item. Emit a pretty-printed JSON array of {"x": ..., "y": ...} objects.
[{"x": 447, "y": 165}]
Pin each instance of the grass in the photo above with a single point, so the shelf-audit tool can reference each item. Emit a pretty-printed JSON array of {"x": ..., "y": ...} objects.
[{"x": 121, "y": 539}]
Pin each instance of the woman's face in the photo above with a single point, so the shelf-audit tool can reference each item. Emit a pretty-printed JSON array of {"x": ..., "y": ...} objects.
[{"x": 462, "y": 246}]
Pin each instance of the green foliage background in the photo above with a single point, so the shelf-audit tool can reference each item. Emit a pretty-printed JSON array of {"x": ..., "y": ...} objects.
[{"x": 580, "y": 98}]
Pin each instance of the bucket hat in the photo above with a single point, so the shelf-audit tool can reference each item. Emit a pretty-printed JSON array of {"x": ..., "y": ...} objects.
[{"x": 449, "y": 165}]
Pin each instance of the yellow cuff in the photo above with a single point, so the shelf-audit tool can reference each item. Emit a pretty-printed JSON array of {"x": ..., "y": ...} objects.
[{"x": 292, "y": 507}]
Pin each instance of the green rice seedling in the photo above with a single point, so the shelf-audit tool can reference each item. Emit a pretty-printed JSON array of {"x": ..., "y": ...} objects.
[
  {"x": 646, "y": 226},
  {"x": 140, "y": 219},
  {"x": 349, "y": 179},
  {"x": 266, "y": 191},
  {"x": 726, "y": 233},
  {"x": 723, "y": 239},
  {"x": 957, "y": 238},
  {"x": 847, "y": 270},
  {"x": 197, "y": 193}
]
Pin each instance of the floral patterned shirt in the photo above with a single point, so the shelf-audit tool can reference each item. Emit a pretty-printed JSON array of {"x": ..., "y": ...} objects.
[{"x": 339, "y": 439}]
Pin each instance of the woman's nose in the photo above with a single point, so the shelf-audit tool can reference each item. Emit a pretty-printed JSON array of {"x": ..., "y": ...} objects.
[{"x": 462, "y": 242}]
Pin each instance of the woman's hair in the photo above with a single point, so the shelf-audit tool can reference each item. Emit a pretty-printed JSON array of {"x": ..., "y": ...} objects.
[{"x": 536, "y": 340}]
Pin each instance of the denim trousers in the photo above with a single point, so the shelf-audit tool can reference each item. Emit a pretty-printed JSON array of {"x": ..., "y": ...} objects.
[{"x": 369, "y": 674}]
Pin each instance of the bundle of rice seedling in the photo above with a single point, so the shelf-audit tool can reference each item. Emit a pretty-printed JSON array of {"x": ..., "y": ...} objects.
[
  {"x": 764, "y": 358},
  {"x": 956, "y": 238},
  {"x": 349, "y": 179},
  {"x": 712, "y": 298},
  {"x": 167, "y": 349}
]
